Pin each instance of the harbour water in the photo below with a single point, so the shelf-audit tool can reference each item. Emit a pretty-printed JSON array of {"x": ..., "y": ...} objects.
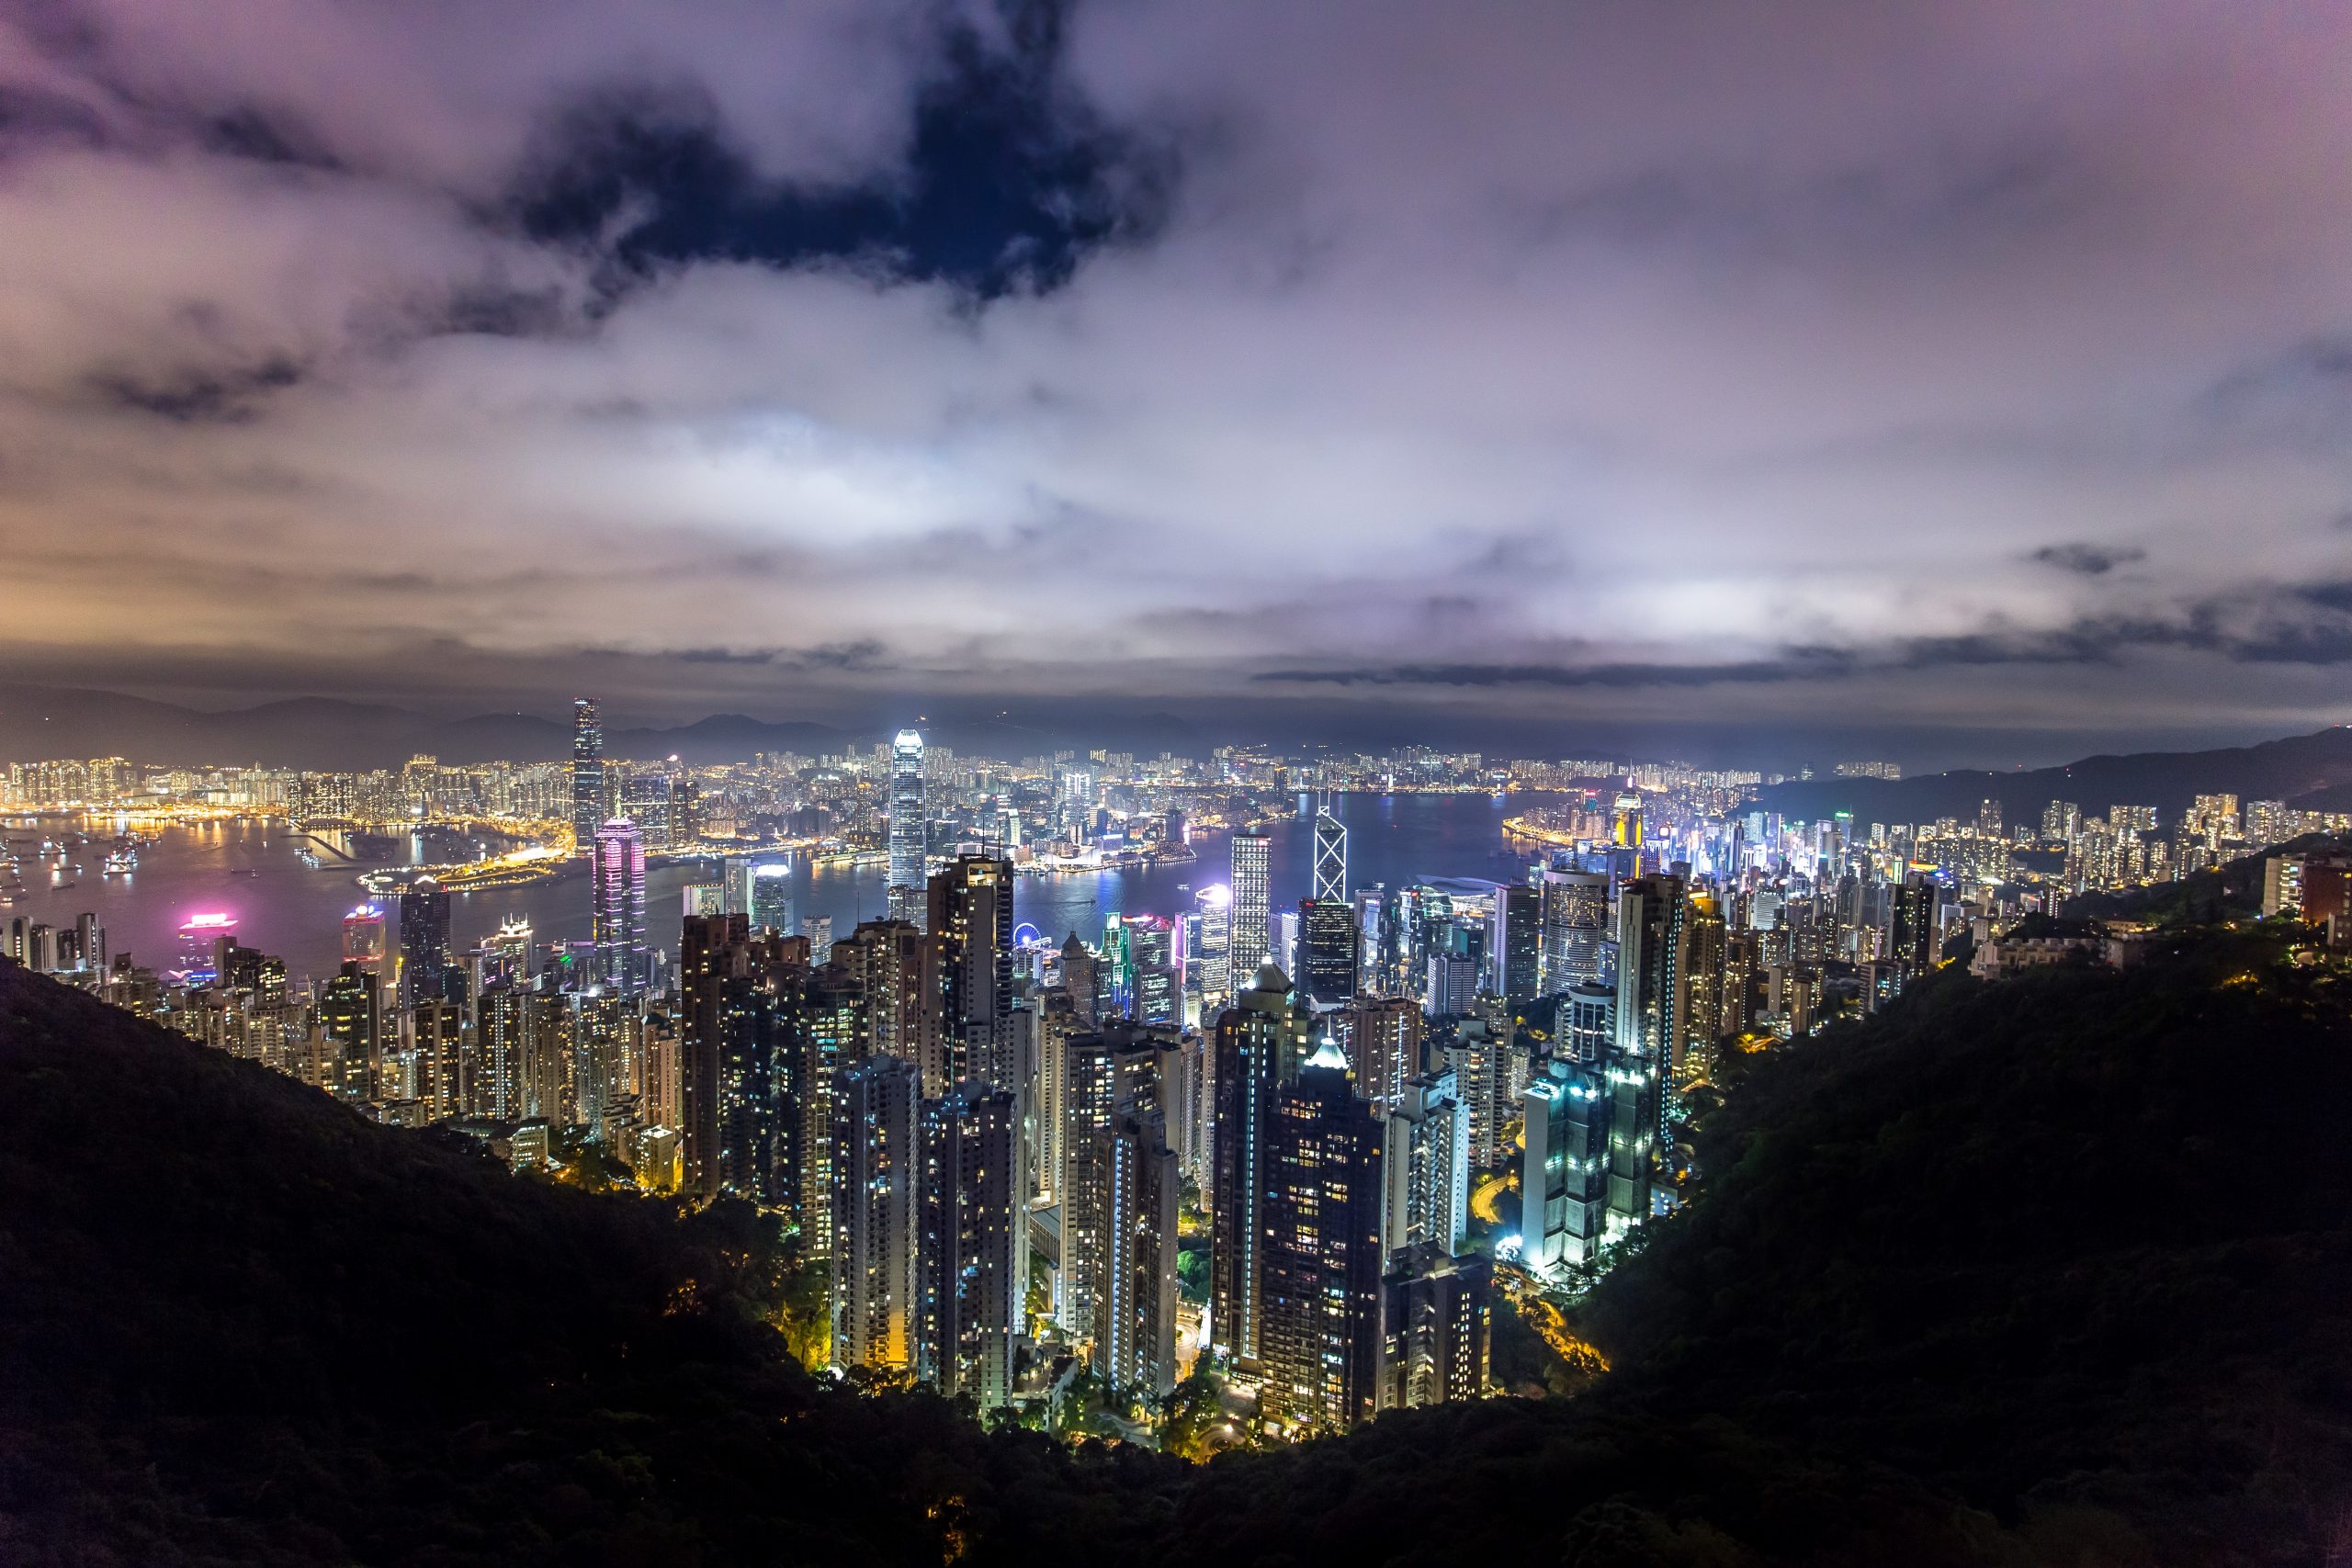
[{"x": 255, "y": 872}]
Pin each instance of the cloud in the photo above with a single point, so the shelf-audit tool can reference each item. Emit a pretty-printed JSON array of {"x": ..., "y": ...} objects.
[
  {"x": 2088, "y": 560},
  {"x": 1578, "y": 357}
]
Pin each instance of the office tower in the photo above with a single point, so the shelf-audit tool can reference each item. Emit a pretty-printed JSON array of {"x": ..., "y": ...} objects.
[
  {"x": 1152, "y": 978},
  {"x": 877, "y": 1177},
  {"x": 1135, "y": 1291},
  {"x": 507, "y": 954},
  {"x": 1427, "y": 1165},
  {"x": 1286, "y": 937},
  {"x": 972, "y": 1252},
  {"x": 1565, "y": 1175},
  {"x": 910, "y": 833},
  {"x": 1207, "y": 957},
  {"x": 1330, "y": 882},
  {"x": 1382, "y": 1037},
  {"x": 425, "y": 939},
  {"x": 616, "y": 909},
  {"x": 1320, "y": 1341},
  {"x": 351, "y": 1016},
  {"x": 1519, "y": 910},
  {"x": 1080, "y": 977},
  {"x": 1915, "y": 923},
  {"x": 588, "y": 789},
  {"x": 1057, "y": 1021},
  {"x": 767, "y": 896},
  {"x": 971, "y": 929},
  {"x": 1575, "y": 924},
  {"x": 1260, "y": 1041},
  {"x": 1652, "y": 915},
  {"x": 706, "y": 957},
  {"x": 1331, "y": 949},
  {"x": 1453, "y": 988},
  {"x": 819, "y": 929},
  {"x": 504, "y": 1014},
  {"x": 1252, "y": 885},
  {"x": 645, "y": 799},
  {"x": 363, "y": 939},
  {"x": 1587, "y": 1031},
  {"x": 1122, "y": 1068},
  {"x": 1437, "y": 1318}
]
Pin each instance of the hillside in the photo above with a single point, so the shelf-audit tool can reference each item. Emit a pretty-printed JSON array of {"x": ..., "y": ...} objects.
[
  {"x": 2056, "y": 1271},
  {"x": 2313, "y": 770}
]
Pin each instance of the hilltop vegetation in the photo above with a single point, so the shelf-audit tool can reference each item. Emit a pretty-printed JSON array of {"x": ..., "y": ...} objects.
[{"x": 2051, "y": 1271}]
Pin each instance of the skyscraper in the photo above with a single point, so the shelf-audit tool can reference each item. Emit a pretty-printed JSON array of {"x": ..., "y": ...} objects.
[
  {"x": 1331, "y": 878},
  {"x": 1565, "y": 1175},
  {"x": 973, "y": 1248},
  {"x": 909, "y": 829},
  {"x": 588, "y": 790},
  {"x": 1437, "y": 1317},
  {"x": 1428, "y": 1165},
  {"x": 363, "y": 938},
  {"x": 1519, "y": 910},
  {"x": 350, "y": 1015},
  {"x": 877, "y": 1177},
  {"x": 1576, "y": 925},
  {"x": 1261, "y": 1041},
  {"x": 706, "y": 958},
  {"x": 617, "y": 923},
  {"x": 1134, "y": 1293},
  {"x": 424, "y": 940},
  {"x": 1209, "y": 946},
  {"x": 1253, "y": 918},
  {"x": 971, "y": 930},
  {"x": 1320, "y": 1336},
  {"x": 1330, "y": 950}
]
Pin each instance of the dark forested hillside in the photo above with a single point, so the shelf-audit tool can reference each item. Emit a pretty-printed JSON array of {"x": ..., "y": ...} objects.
[{"x": 2055, "y": 1271}]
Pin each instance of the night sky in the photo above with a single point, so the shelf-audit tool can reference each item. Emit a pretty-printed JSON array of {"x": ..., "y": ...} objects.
[{"x": 1982, "y": 367}]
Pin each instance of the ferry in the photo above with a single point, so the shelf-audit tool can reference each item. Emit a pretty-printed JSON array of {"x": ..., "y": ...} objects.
[
  {"x": 122, "y": 862},
  {"x": 308, "y": 857}
]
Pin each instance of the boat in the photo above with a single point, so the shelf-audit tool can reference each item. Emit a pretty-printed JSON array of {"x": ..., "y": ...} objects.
[
  {"x": 122, "y": 862},
  {"x": 61, "y": 886},
  {"x": 307, "y": 858}
]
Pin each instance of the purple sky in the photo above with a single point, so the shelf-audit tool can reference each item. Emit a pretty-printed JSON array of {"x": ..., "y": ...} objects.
[{"x": 1979, "y": 365}]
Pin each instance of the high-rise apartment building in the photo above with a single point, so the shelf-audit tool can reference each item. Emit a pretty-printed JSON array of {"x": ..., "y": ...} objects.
[
  {"x": 877, "y": 1176},
  {"x": 1426, "y": 1162},
  {"x": 1135, "y": 1292},
  {"x": 424, "y": 940},
  {"x": 971, "y": 927},
  {"x": 1437, "y": 1318},
  {"x": 972, "y": 1250},
  {"x": 1565, "y": 1173},
  {"x": 1260, "y": 1041}
]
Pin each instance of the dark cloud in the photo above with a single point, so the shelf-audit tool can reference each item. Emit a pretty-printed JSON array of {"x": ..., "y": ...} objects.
[
  {"x": 1011, "y": 180},
  {"x": 2088, "y": 560},
  {"x": 193, "y": 395}
]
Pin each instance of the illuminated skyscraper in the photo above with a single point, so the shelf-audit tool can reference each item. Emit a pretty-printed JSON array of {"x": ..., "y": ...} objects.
[
  {"x": 1564, "y": 1206},
  {"x": 1209, "y": 944},
  {"x": 1135, "y": 1310},
  {"x": 1261, "y": 1041},
  {"x": 972, "y": 1255},
  {"x": 1320, "y": 1336},
  {"x": 1428, "y": 1165},
  {"x": 1576, "y": 925},
  {"x": 909, "y": 832},
  {"x": 588, "y": 791},
  {"x": 617, "y": 915},
  {"x": 876, "y": 1175},
  {"x": 1330, "y": 950},
  {"x": 1252, "y": 883},
  {"x": 424, "y": 940},
  {"x": 971, "y": 929},
  {"x": 351, "y": 1016},
  {"x": 767, "y": 896},
  {"x": 1330, "y": 879},
  {"x": 1436, "y": 1316}
]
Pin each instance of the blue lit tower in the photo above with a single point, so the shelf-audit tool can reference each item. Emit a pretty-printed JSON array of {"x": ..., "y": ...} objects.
[
  {"x": 588, "y": 793},
  {"x": 908, "y": 841}
]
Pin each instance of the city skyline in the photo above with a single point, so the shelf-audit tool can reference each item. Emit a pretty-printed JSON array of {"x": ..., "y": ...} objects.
[{"x": 1561, "y": 366}]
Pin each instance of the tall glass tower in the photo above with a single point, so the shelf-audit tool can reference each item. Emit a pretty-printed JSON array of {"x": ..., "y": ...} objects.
[
  {"x": 1253, "y": 917},
  {"x": 907, "y": 836},
  {"x": 617, "y": 915},
  {"x": 587, "y": 773},
  {"x": 1331, "y": 882}
]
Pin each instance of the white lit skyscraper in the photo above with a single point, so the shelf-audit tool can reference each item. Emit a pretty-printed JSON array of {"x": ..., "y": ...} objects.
[
  {"x": 907, "y": 830},
  {"x": 1331, "y": 882},
  {"x": 1253, "y": 936},
  {"x": 617, "y": 914}
]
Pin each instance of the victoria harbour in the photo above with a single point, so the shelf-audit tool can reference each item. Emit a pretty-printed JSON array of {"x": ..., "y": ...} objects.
[{"x": 252, "y": 870}]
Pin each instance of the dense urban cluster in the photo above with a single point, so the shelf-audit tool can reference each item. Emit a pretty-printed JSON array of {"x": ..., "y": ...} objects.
[{"x": 1263, "y": 1155}]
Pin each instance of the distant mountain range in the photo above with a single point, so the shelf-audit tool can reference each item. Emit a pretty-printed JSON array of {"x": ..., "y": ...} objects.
[
  {"x": 39, "y": 722},
  {"x": 2313, "y": 771}
]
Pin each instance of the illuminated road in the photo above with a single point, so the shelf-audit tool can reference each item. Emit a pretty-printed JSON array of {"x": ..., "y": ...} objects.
[{"x": 1483, "y": 1196}]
